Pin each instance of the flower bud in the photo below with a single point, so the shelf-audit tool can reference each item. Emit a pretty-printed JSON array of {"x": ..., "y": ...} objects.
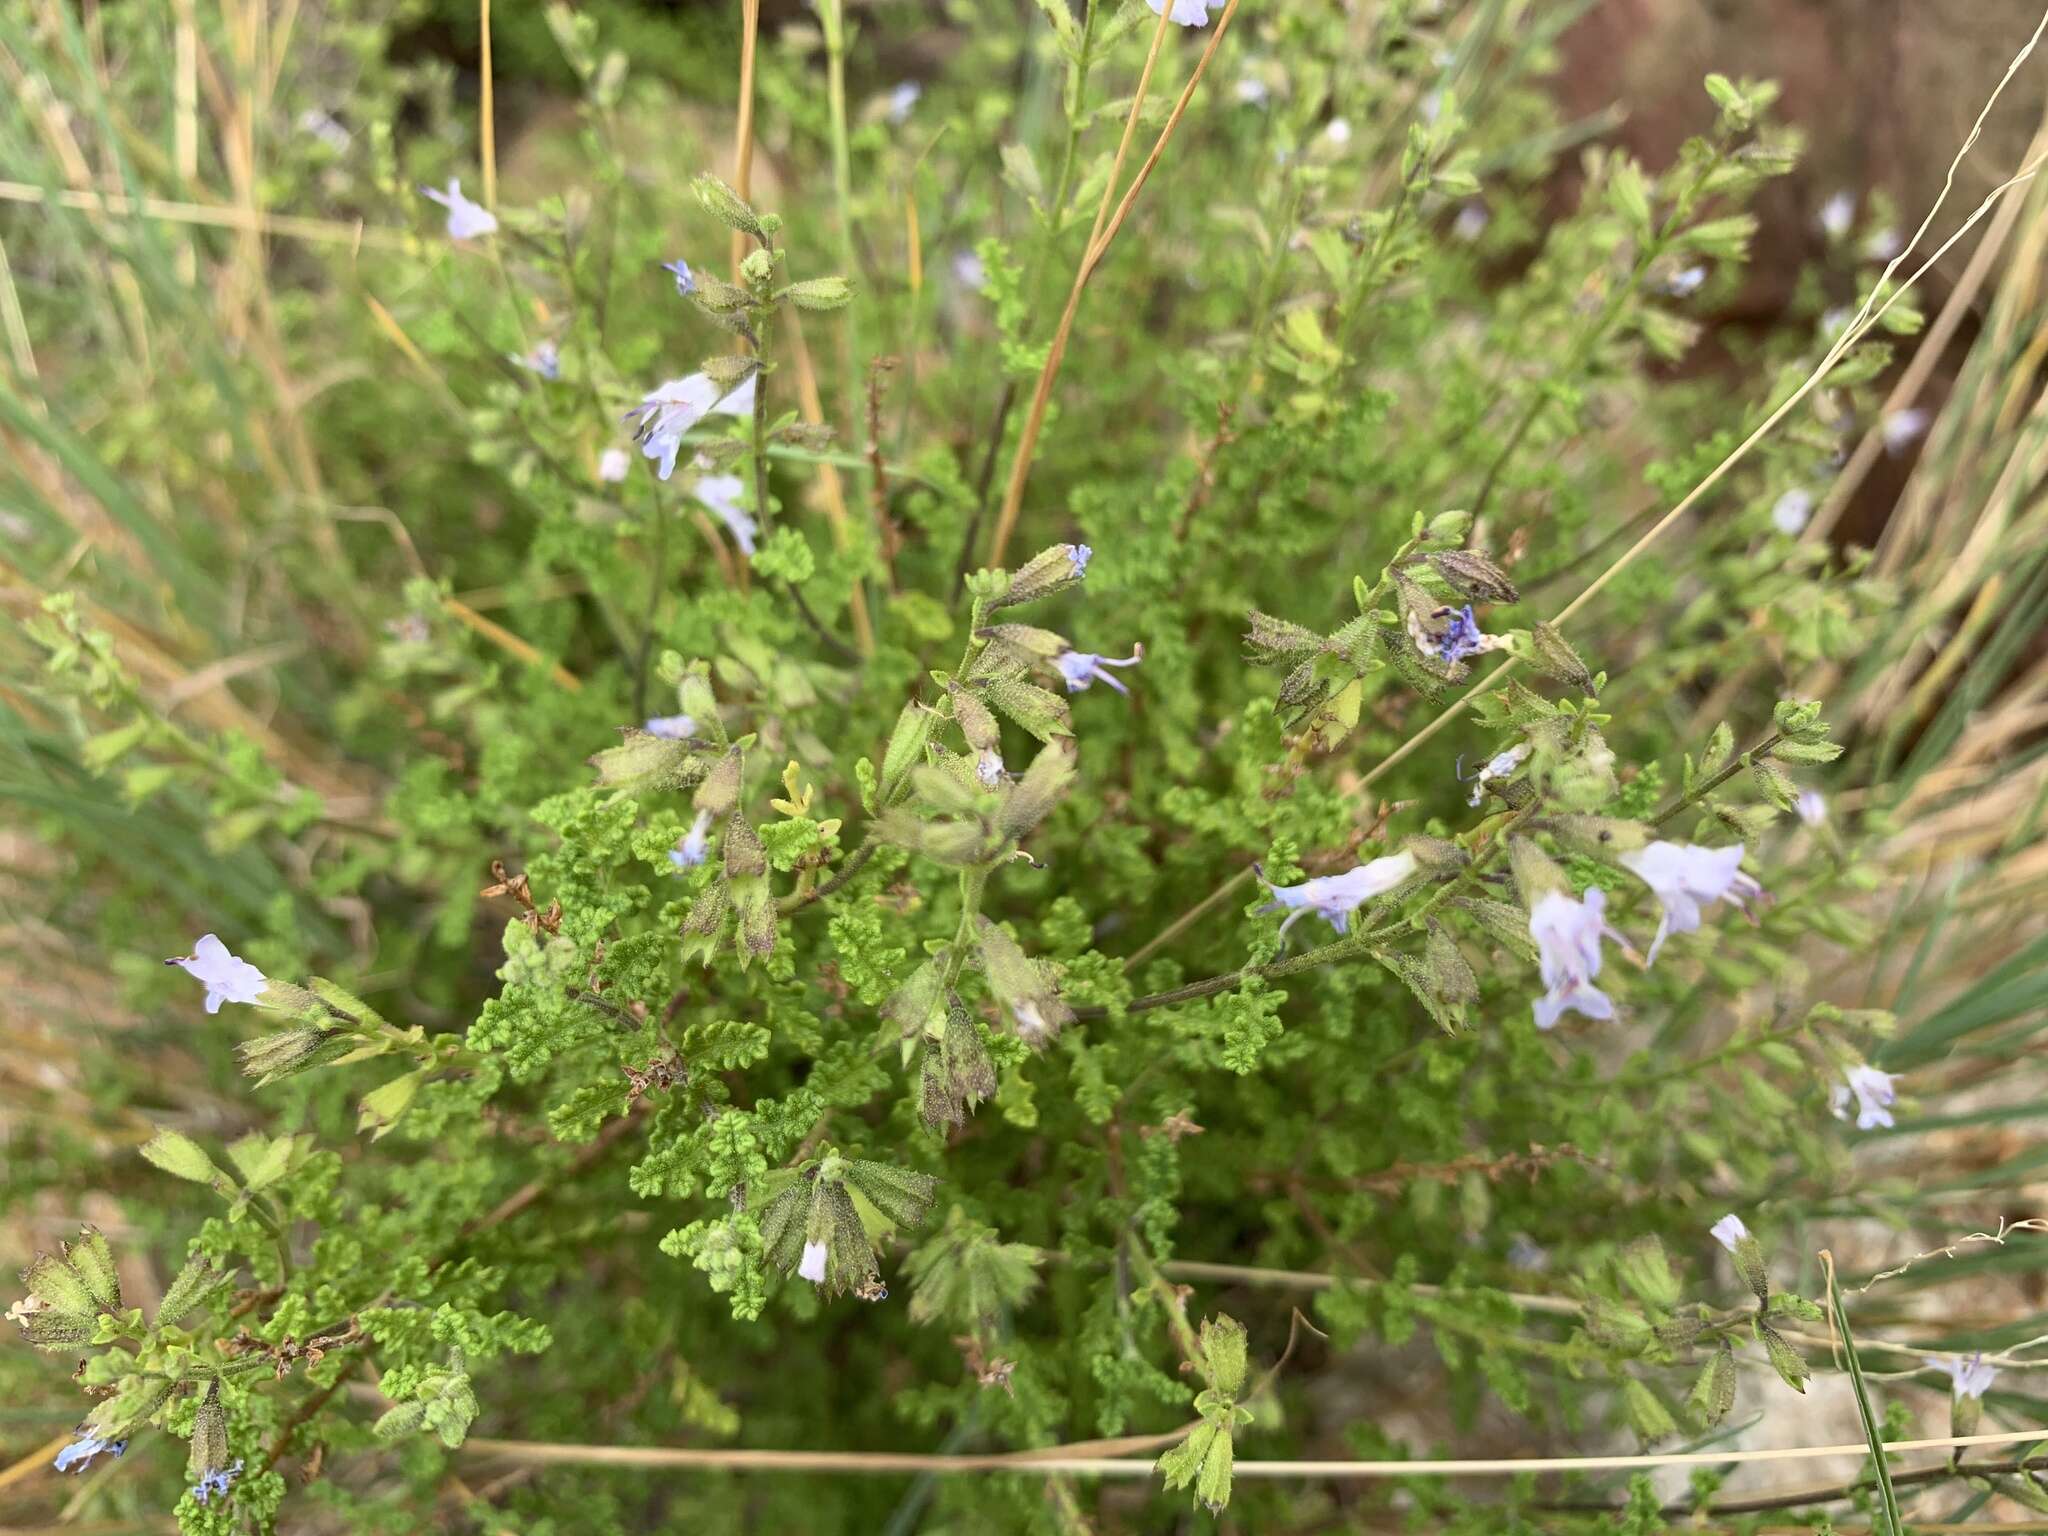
[
  {"x": 1551, "y": 654},
  {"x": 822, "y": 293},
  {"x": 1049, "y": 571},
  {"x": 720, "y": 791},
  {"x": 726, "y": 205},
  {"x": 1471, "y": 574}
]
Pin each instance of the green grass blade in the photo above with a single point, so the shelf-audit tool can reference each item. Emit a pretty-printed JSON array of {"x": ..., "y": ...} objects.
[{"x": 1888, "y": 1497}]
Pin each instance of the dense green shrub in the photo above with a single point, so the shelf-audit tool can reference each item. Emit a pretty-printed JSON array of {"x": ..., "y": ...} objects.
[{"x": 866, "y": 1023}]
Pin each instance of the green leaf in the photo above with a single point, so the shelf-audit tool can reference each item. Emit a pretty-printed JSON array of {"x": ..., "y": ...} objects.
[
  {"x": 1880, "y": 1463},
  {"x": 1713, "y": 1395},
  {"x": 1225, "y": 1353},
  {"x": 180, "y": 1156},
  {"x": 1785, "y": 1360}
]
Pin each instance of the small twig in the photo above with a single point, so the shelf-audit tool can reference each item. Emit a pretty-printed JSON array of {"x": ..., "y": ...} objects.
[
  {"x": 1740, "y": 762},
  {"x": 1098, "y": 247},
  {"x": 846, "y": 872}
]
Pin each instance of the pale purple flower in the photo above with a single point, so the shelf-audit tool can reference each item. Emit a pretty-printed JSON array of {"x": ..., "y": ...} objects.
[
  {"x": 1967, "y": 1378},
  {"x": 989, "y": 767},
  {"x": 78, "y": 1455},
  {"x": 1834, "y": 321},
  {"x": 613, "y": 464},
  {"x": 216, "y": 1483},
  {"x": 722, "y": 493},
  {"x": 1080, "y": 554},
  {"x": 969, "y": 272},
  {"x": 695, "y": 845},
  {"x": 1567, "y": 935},
  {"x": 903, "y": 101},
  {"x": 740, "y": 402},
  {"x": 686, "y": 280},
  {"x": 227, "y": 978},
  {"x": 1186, "y": 13},
  {"x": 1883, "y": 244},
  {"x": 1837, "y": 214},
  {"x": 1082, "y": 670},
  {"x": 666, "y": 413},
  {"x": 545, "y": 359},
  {"x": 1336, "y": 897},
  {"x": 1525, "y": 1253},
  {"x": 466, "y": 220},
  {"x": 1500, "y": 766},
  {"x": 671, "y": 727},
  {"x": 1874, "y": 1093},
  {"x": 1684, "y": 281},
  {"x": 1471, "y": 222},
  {"x": 1900, "y": 428},
  {"x": 1686, "y": 877},
  {"x": 1791, "y": 510},
  {"x": 813, "y": 1265},
  {"x": 1729, "y": 1231},
  {"x": 323, "y": 126},
  {"x": 1812, "y": 807},
  {"x": 1251, "y": 91}
]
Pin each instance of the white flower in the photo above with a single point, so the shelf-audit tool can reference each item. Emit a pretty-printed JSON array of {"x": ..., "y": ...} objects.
[
  {"x": 1686, "y": 877},
  {"x": 1567, "y": 935},
  {"x": 1338, "y": 130},
  {"x": 721, "y": 493},
  {"x": 1837, "y": 214},
  {"x": 671, "y": 727},
  {"x": 1967, "y": 1378},
  {"x": 1901, "y": 427},
  {"x": 1791, "y": 510},
  {"x": 1874, "y": 1093},
  {"x": 612, "y": 465},
  {"x": 1186, "y": 13},
  {"x": 228, "y": 978},
  {"x": 1834, "y": 322},
  {"x": 1251, "y": 91},
  {"x": 1729, "y": 1231},
  {"x": 813, "y": 1266},
  {"x": 1471, "y": 222},
  {"x": 1686, "y": 280},
  {"x": 466, "y": 220},
  {"x": 1883, "y": 245},
  {"x": 1336, "y": 897},
  {"x": 1032, "y": 1027},
  {"x": 1500, "y": 766},
  {"x": 989, "y": 767},
  {"x": 1812, "y": 807},
  {"x": 903, "y": 99},
  {"x": 968, "y": 271},
  {"x": 1083, "y": 669},
  {"x": 695, "y": 846}
]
